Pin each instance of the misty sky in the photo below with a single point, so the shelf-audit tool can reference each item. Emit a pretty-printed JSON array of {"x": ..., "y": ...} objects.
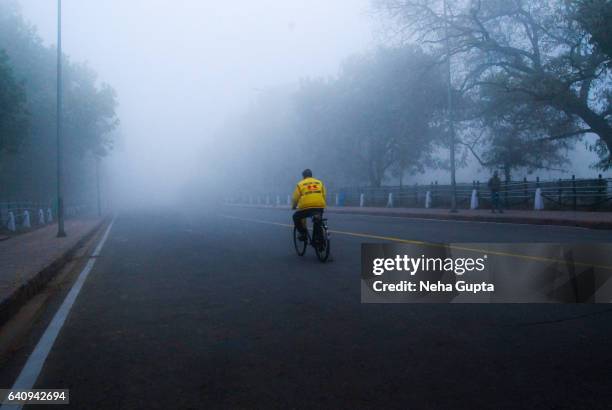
[{"x": 180, "y": 68}]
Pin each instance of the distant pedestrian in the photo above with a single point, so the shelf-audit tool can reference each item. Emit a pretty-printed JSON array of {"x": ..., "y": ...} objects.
[{"x": 494, "y": 187}]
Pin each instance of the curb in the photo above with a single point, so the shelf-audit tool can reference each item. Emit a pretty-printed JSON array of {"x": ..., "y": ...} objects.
[
  {"x": 460, "y": 217},
  {"x": 11, "y": 305},
  {"x": 482, "y": 218}
]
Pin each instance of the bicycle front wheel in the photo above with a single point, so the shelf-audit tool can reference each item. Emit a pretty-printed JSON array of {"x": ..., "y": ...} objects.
[
  {"x": 300, "y": 246},
  {"x": 322, "y": 247}
]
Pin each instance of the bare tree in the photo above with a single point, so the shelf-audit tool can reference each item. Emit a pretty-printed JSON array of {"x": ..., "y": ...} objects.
[{"x": 534, "y": 52}]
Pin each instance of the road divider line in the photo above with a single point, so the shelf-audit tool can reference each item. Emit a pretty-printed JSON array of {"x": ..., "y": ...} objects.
[
  {"x": 436, "y": 245},
  {"x": 30, "y": 372}
]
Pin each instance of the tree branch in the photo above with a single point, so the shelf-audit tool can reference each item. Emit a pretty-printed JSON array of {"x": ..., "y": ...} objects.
[{"x": 564, "y": 135}]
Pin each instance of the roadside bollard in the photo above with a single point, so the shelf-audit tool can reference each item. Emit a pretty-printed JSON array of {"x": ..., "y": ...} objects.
[
  {"x": 277, "y": 200},
  {"x": 41, "y": 217},
  {"x": 49, "y": 216},
  {"x": 361, "y": 200},
  {"x": 268, "y": 200},
  {"x": 428, "y": 199},
  {"x": 474, "y": 200},
  {"x": 11, "y": 222},
  {"x": 538, "y": 203},
  {"x": 337, "y": 200},
  {"x": 390, "y": 201},
  {"x": 288, "y": 200},
  {"x": 26, "y": 219}
]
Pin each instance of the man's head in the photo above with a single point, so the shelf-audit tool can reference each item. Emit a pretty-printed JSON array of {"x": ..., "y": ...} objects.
[
  {"x": 495, "y": 173},
  {"x": 307, "y": 173}
]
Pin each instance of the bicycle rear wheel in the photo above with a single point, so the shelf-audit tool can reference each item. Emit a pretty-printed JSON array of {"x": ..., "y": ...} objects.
[
  {"x": 322, "y": 246},
  {"x": 300, "y": 246}
]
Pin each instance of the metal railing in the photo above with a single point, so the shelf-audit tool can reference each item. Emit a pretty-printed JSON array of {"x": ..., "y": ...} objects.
[
  {"x": 587, "y": 194},
  {"x": 20, "y": 214}
]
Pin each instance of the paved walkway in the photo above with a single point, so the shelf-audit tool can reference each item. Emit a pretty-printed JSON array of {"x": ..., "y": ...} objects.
[
  {"x": 24, "y": 257},
  {"x": 595, "y": 220}
]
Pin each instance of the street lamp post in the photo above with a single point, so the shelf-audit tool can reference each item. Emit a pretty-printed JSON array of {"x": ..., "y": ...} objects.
[
  {"x": 451, "y": 122},
  {"x": 60, "y": 199},
  {"x": 98, "y": 185}
]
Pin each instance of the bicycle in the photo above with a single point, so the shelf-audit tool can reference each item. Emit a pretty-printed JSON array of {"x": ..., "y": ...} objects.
[{"x": 319, "y": 239}]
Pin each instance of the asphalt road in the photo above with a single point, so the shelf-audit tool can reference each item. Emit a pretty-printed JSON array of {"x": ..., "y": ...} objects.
[{"x": 215, "y": 310}]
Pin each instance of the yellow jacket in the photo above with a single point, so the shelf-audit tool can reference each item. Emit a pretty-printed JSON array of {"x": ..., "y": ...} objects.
[{"x": 309, "y": 193}]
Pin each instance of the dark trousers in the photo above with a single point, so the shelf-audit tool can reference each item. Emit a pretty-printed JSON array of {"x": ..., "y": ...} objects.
[
  {"x": 299, "y": 216},
  {"x": 495, "y": 201}
]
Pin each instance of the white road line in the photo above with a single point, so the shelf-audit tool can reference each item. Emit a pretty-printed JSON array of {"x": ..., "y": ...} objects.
[{"x": 33, "y": 366}]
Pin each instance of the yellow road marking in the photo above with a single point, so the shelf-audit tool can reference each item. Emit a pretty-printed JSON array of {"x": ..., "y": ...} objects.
[{"x": 432, "y": 244}]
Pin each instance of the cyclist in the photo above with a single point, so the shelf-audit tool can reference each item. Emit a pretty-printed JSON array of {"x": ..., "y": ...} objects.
[{"x": 309, "y": 199}]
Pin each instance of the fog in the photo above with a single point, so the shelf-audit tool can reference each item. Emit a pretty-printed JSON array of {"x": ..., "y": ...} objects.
[
  {"x": 187, "y": 71},
  {"x": 181, "y": 68}
]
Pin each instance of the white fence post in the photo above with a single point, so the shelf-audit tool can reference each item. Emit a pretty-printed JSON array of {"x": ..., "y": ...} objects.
[
  {"x": 288, "y": 200},
  {"x": 11, "y": 222},
  {"x": 337, "y": 199},
  {"x": 474, "y": 201},
  {"x": 428, "y": 200},
  {"x": 26, "y": 219},
  {"x": 538, "y": 203},
  {"x": 49, "y": 216},
  {"x": 361, "y": 200},
  {"x": 41, "y": 217},
  {"x": 390, "y": 200}
]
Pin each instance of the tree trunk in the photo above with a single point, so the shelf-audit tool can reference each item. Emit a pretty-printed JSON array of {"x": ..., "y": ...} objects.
[
  {"x": 373, "y": 175},
  {"x": 507, "y": 172},
  {"x": 596, "y": 122}
]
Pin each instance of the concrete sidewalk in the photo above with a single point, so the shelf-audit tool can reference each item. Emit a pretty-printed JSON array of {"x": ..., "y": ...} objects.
[
  {"x": 29, "y": 261},
  {"x": 592, "y": 220}
]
